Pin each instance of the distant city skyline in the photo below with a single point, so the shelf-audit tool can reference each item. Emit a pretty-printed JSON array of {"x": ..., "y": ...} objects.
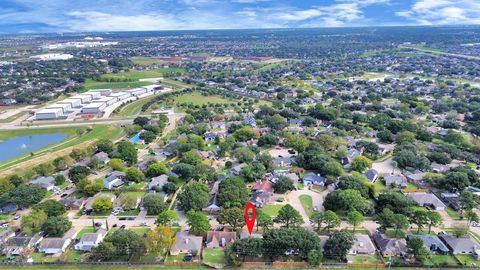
[{"x": 33, "y": 16}]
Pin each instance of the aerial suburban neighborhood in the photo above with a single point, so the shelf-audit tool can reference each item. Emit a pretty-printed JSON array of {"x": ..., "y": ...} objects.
[{"x": 356, "y": 148}]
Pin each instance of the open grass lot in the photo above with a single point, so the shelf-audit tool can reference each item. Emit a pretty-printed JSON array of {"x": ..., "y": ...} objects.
[
  {"x": 467, "y": 260},
  {"x": 196, "y": 98},
  {"x": 145, "y": 61},
  {"x": 442, "y": 260},
  {"x": 214, "y": 256},
  {"x": 85, "y": 230},
  {"x": 13, "y": 117},
  {"x": 40, "y": 257},
  {"x": 366, "y": 259},
  {"x": 271, "y": 209},
  {"x": 93, "y": 85},
  {"x": 452, "y": 213},
  {"x": 135, "y": 107},
  {"x": 306, "y": 201},
  {"x": 144, "y": 74},
  {"x": 73, "y": 255},
  {"x": 176, "y": 84},
  {"x": 97, "y": 132}
]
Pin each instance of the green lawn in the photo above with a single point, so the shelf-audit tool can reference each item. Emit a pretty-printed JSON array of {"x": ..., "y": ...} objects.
[
  {"x": 306, "y": 201},
  {"x": 85, "y": 230},
  {"x": 93, "y": 85},
  {"x": 271, "y": 209},
  {"x": 13, "y": 117},
  {"x": 176, "y": 84},
  {"x": 214, "y": 256},
  {"x": 441, "y": 260},
  {"x": 452, "y": 213},
  {"x": 5, "y": 217},
  {"x": 73, "y": 255},
  {"x": 366, "y": 259},
  {"x": 129, "y": 213},
  {"x": 197, "y": 98},
  {"x": 135, "y": 107},
  {"x": 40, "y": 257},
  {"x": 143, "y": 74},
  {"x": 467, "y": 260}
]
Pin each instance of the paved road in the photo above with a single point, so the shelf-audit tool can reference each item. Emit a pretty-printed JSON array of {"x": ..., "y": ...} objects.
[
  {"x": 384, "y": 167},
  {"x": 317, "y": 201}
]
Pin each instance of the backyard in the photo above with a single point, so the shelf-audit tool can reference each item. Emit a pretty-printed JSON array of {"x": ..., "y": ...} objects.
[{"x": 214, "y": 256}]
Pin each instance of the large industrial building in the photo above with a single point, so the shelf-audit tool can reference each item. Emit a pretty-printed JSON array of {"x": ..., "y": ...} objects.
[
  {"x": 84, "y": 99},
  {"x": 74, "y": 103},
  {"x": 66, "y": 107},
  {"x": 108, "y": 100},
  {"x": 121, "y": 95},
  {"x": 94, "y": 108},
  {"x": 47, "y": 114}
]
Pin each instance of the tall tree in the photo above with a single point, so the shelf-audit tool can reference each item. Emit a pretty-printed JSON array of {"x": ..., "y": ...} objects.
[
  {"x": 329, "y": 218},
  {"x": 234, "y": 217},
  {"x": 338, "y": 245},
  {"x": 289, "y": 216},
  {"x": 198, "y": 222},
  {"x": 355, "y": 218}
]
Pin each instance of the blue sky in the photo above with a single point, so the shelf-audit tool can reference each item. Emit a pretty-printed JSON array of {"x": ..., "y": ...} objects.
[{"x": 25, "y": 16}]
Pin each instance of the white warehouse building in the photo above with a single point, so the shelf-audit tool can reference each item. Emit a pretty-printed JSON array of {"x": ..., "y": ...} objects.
[
  {"x": 103, "y": 92},
  {"x": 93, "y": 95},
  {"x": 108, "y": 100},
  {"x": 46, "y": 114},
  {"x": 84, "y": 99},
  {"x": 121, "y": 95},
  {"x": 138, "y": 91},
  {"x": 66, "y": 107},
  {"x": 94, "y": 107},
  {"x": 74, "y": 103}
]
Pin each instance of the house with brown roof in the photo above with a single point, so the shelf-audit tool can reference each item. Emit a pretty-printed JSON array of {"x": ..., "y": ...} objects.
[
  {"x": 265, "y": 186},
  {"x": 216, "y": 239}
]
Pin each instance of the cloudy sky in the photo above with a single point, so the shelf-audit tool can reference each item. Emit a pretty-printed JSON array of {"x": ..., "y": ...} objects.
[{"x": 25, "y": 16}]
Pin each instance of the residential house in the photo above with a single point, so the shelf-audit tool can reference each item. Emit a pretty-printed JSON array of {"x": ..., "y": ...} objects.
[
  {"x": 427, "y": 200},
  {"x": 451, "y": 199},
  {"x": 8, "y": 208},
  {"x": 90, "y": 241},
  {"x": 72, "y": 203},
  {"x": 46, "y": 182},
  {"x": 237, "y": 168},
  {"x": 14, "y": 246},
  {"x": 114, "y": 180},
  {"x": 371, "y": 175},
  {"x": 261, "y": 198},
  {"x": 439, "y": 168},
  {"x": 5, "y": 235},
  {"x": 431, "y": 242},
  {"x": 216, "y": 239},
  {"x": 244, "y": 235},
  {"x": 52, "y": 246},
  {"x": 310, "y": 179},
  {"x": 389, "y": 246},
  {"x": 460, "y": 245},
  {"x": 362, "y": 245},
  {"x": 416, "y": 178},
  {"x": 265, "y": 186},
  {"x": 186, "y": 244},
  {"x": 395, "y": 180},
  {"x": 284, "y": 161},
  {"x": 353, "y": 153},
  {"x": 158, "y": 182},
  {"x": 102, "y": 157}
]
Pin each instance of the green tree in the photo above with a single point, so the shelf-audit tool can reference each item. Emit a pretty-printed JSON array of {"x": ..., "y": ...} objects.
[
  {"x": 314, "y": 257},
  {"x": 127, "y": 152},
  {"x": 116, "y": 164},
  {"x": 278, "y": 242},
  {"x": 166, "y": 217},
  {"x": 77, "y": 173},
  {"x": 243, "y": 249},
  {"x": 416, "y": 248},
  {"x": 5, "y": 186},
  {"x": 154, "y": 204},
  {"x": 59, "y": 179},
  {"x": 233, "y": 192},
  {"x": 399, "y": 222},
  {"x": 420, "y": 218},
  {"x": 105, "y": 145},
  {"x": 289, "y": 217},
  {"x": 198, "y": 222},
  {"x": 25, "y": 196},
  {"x": 32, "y": 223},
  {"x": 51, "y": 208},
  {"x": 283, "y": 184},
  {"x": 56, "y": 226},
  {"x": 244, "y": 155},
  {"x": 234, "y": 217},
  {"x": 102, "y": 205},
  {"x": 346, "y": 200},
  {"x": 338, "y": 245},
  {"x": 156, "y": 169},
  {"x": 467, "y": 200},
  {"x": 194, "y": 196},
  {"x": 263, "y": 220},
  {"x": 134, "y": 175},
  {"x": 434, "y": 219},
  {"x": 361, "y": 163},
  {"x": 329, "y": 218},
  {"x": 355, "y": 218}
]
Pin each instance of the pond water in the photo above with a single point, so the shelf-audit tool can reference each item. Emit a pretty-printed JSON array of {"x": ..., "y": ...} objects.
[{"x": 18, "y": 146}]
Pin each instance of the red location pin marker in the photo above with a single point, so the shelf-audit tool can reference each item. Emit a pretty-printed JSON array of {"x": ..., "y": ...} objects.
[{"x": 250, "y": 221}]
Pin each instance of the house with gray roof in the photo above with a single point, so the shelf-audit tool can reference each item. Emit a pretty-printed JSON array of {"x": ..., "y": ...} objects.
[
  {"x": 395, "y": 180},
  {"x": 371, "y": 175},
  {"x": 362, "y": 245},
  {"x": 425, "y": 199},
  {"x": 102, "y": 157},
  {"x": 114, "y": 180},
  {"x": 311, "y": 178},
  {"x": 186, "y": 244},
  {"x": 389, "y": 246},
  {"x": 90, "y": 241},
  {"x": 158, "y": 182},
  {"x": 431, "y": 242},
  {"x": 46, "y": 182},
  {"x": 460, "y": 245}
]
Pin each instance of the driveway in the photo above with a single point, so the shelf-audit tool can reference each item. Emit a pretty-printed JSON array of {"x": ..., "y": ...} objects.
[
  {"x": 293, "y": 198},
  {"x": 384, "y": 167}
]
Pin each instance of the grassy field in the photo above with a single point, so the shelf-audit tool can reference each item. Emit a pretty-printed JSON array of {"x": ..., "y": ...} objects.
[
  {"x": 97, "y": 132},
  {"x": 134, "y": 108},
  {"x": 93, "y": 85},
  {"x": 214, "y": 256},
  {"x": 442, "y": 260},
  {"x": 176, "y": 84},
  {"x": 85, "y": 230},
  {"x": 143, "y": 74},
  {"x": 271, "y": 209},
  {"x": 196, "y": 98},
  {"x": 306, "y": 201},
  {"x": 13, "y": 117},
  {"x": 145, "y": 61}
]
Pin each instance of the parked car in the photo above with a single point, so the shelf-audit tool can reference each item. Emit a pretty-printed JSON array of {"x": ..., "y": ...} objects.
[
  {"x": 98, "y": 224},
  {"x": 130, "y": 218},
  {"x": 143, "y": 223},
  {"x": 188, "y": 258},
  {"x": 16, "y": 217}
]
